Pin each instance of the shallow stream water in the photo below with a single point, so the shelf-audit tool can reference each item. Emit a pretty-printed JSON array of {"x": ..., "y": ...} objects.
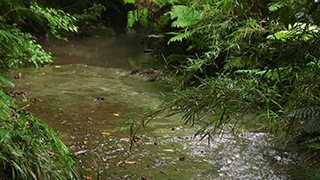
[{"x": 88, "y": 93}]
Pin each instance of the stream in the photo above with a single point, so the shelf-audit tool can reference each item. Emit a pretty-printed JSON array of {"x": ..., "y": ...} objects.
[{"x": 88, "y": 93}]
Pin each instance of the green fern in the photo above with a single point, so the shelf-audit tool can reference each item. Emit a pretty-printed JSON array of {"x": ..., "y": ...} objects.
[
  {"x": 131, "y": 19},
  {"x": 185, "y": 17},
  {"x": 21, "y": 49},
  {"x": 310, "y": 118},
  {"x": 313, "y": 174},
  {"x": 311, "y": 125},
  {"x": 180, "y": 36},
  {"x": 306, "y": 113},
  {"x": 57, "y": 19}
]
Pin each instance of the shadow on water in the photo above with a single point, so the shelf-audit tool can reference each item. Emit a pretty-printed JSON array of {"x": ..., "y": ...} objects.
[
  {"x": 88, "y": 93},
  {"x": 122, "y": 51}
]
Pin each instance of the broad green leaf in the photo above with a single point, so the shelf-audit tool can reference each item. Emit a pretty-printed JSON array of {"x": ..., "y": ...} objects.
[{"x": 129, "y": 1}]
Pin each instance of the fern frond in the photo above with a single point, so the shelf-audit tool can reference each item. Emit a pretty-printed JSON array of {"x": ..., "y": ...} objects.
[
  {"x": 180, "y": 36},
  {"x": 315, "y": 145},
  {"x": 311, "y": 126},
  {"x": 310, "y": 118},
  {"x": 131, "y": 19},
  {"x": 313, "y": 174},
  {"x": 184, "y": 16},
  {"x": 315, "y": 139},
  {"x": 306, "y": 113}
]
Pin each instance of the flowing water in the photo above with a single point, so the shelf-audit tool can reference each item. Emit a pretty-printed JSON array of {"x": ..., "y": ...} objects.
[{"x": 88, "y": 93}]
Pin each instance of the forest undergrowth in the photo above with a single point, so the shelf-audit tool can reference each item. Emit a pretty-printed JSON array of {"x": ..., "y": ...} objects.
[{"x": 230, "y": 58}]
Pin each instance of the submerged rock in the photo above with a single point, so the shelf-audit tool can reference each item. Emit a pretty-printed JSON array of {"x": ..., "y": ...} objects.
[{"x": 145, "y": 71}]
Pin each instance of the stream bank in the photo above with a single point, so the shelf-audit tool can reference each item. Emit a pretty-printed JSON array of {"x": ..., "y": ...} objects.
[{"x": 88, "y": 93}]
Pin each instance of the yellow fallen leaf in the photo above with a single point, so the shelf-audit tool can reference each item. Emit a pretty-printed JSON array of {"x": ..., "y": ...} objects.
[
  {"x": 85, "y": 142},
  {"x": 120, "y": 162},
  {"x": 119, "y": 145},
  {"x": 63, "y": 122},
  {"x": 106, "y": 133},
  {"x": 60, "y": 109},
  {"x": 87, "y": 177},
  {"x": 39, "y": 100},
  {"x": 116, "y": 114},
  {"x": 43, "y": 73}
]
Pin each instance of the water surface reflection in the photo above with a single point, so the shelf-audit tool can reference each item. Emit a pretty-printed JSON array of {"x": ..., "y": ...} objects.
[{"x": 88, "y": 68}]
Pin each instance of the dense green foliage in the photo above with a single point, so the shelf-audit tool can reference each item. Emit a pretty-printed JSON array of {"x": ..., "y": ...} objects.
[
  {"x": 20, "y": 48},
  {"x": 234, "y": 57},
  {"x": 30, "y": 149}
]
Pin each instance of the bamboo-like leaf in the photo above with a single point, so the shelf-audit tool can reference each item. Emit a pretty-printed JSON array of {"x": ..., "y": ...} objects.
[{"x": 6, "y": 82}]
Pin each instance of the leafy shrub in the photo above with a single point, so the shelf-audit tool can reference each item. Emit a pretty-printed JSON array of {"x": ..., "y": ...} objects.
[
  {"x": 19, "y": 48},
  {"x": 261, "y": 56}
]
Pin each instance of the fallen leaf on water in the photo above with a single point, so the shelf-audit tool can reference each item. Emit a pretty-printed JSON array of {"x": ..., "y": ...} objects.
[
  {"x": 106, "y": 133},
  {"x": 116, "y": 115},
  {"x": 16, "y": 93},
  {"x": 35, "y": 100},
  {"x": 81, "y": 152},
  {"x": 182, "y": 158},
  {"x": 87, "y": 177},
  {"x": 64, "y": 121},
  {"x": 131, "y": 162},
  {"x": 164, "y": 173},
  {"x": 169, "y": 150}
]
